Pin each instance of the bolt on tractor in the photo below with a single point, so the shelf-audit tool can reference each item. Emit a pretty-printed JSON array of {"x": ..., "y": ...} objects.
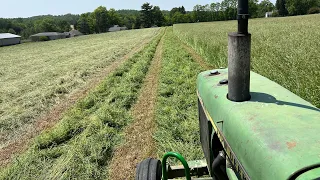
[{"x": 250, "y": 126}]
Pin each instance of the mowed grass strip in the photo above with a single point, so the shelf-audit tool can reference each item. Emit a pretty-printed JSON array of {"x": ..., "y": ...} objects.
[
  {"x": 177, "y": 127},
  {"x": 36, "y": 76},
  {"x": 139, "y": 143},
  {"x": 285, "y": 50},
  {"x": 82, "y": 143}
]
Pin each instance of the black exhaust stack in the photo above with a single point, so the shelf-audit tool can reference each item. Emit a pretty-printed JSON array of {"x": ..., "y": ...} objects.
[{"x": 239, "y": 51}]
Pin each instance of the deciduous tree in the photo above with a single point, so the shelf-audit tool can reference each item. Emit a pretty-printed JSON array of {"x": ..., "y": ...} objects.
[
  {"x": 147, "y": 15},
  {"x": 157, "y": 16},
  {"x": 265, "y": 6},
  {"x": 100, "y": 17},
  {"x": 281, "y": 7}
]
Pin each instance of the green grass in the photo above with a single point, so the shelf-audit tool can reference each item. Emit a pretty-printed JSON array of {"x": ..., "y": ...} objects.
[
  {"x": 286, "y": 50},
  {"x": 35, "y": 76},
  {"x": 176, "y": 110},
  {"x": 81, "y": 144}
]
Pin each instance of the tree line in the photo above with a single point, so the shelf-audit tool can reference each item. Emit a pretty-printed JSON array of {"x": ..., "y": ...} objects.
[
  {"x": 227, "y": 10},
  {"x": 297, "y": 7},
  {"x": 28, "y": 26},
  {"x": 101, "y": 18}
]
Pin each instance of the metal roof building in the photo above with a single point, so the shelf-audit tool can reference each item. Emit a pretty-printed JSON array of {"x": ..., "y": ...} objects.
[
  {"x": 117, "y": 28},
  {"x": 75, "y": 33},
  {"x": 7, "y": 39},
  {"x": 47, "y": 36}
]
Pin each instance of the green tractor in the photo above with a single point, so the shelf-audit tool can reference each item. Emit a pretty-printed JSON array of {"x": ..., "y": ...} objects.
[{"x": 250, "y": 126}]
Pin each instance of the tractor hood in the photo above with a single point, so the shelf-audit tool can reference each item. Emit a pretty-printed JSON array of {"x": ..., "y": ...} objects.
[{"x": 275, "y": 135}]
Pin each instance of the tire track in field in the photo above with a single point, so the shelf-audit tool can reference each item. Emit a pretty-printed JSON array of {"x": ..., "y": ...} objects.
[
  {"x": 195, "y": 56},
  {"x": 139, "y": 143},
  {"x": 49, "y": 119}
]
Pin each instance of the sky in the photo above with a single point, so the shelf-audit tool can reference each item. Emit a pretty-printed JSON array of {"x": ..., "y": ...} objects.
[{"x": 28, "y": 8}]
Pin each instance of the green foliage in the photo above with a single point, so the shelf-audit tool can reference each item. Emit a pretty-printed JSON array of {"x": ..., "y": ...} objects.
[
  {"x": 80, "y": 146},
  {"x": 43, "y": 38},
  {"x": 100, "y": 18},
  {"x": 176, "y": 109},
  {"x": 86, "y": 24},
  {"x": 265, "y": 6},
  {"x": 181, "y": 10},
  {"x": 201, "y": 13},
  {"x": 12, "y": 31},
  {"x": 227, "y": 10},
  {"x": 46, "y": 25},
  {"x": 113, "y": 17},
  {"x": 281, "y": 7},
  {"x": 275, "y": 14},
  {"x": 253, "y": 8},
  {"x": 25, "y": 27},
  {"x": 146, "y": 15},
  {"x": 63, "y": 26},
  {"x": 158, "y": 16},
  {"x": 151, "y": 15},
  {"x": 178, "y": 17},
  {"x": 300, "y": 7},
  {"x": 130, "y": 18},
  {"x": 280, "y": 57},
  {"x": 314, "y": 10}
]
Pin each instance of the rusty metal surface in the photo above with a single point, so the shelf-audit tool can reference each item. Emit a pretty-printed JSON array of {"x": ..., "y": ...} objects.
[{"x": 273, "y": 135}]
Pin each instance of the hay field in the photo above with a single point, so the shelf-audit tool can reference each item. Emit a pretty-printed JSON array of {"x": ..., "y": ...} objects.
[
  {"x": 36, "y": 76},
  {"x": 83, "y": 144},
  {"x": 286, "y": 50}
]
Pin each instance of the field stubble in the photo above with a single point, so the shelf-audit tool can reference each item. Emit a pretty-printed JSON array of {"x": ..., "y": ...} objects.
[
  {"x": 82, "y": 143},
  {"x": 36, "y": 76}
]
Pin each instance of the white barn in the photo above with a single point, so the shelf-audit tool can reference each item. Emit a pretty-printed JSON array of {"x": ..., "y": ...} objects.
[
  {"x": 269, "y": 14},
  {"x": 7, "y": 39}
]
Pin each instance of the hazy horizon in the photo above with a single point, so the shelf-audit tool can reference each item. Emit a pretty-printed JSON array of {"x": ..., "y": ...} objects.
[{"x": 31, "y": 8}]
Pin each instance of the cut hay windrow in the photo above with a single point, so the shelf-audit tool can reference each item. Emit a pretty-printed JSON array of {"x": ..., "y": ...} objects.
[
  {"x": 82, "y": 143},
  {"x": 37, "y": 77},
  {"x": 139, "y": 143},
  {"x": 177, "y": 126}
]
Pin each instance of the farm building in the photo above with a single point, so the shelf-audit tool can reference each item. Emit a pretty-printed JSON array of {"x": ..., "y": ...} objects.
[
  {"x": 7, "y": 39},
  {"x": 67, "y": 34},
  {"x": 46, "y": 36},
  {"x": 75, "y": 33},
  {"x": 270, "y": 14},
  {"x": 117, "y": 28}
]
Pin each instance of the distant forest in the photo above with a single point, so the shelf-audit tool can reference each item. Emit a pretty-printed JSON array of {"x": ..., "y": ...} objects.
[{"x": 101, "y": 18}]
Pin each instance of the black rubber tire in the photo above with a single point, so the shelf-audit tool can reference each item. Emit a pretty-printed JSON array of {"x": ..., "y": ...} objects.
[{"x": 149, "y": 169}]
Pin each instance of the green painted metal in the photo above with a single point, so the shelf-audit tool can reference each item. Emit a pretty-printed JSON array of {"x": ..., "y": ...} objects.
[
  {"x": 312, "y": 174},
  {"x": 181, "y": 159},
  {"x": 273, "y": 135},
  {"x": 231, "y": 174}
]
